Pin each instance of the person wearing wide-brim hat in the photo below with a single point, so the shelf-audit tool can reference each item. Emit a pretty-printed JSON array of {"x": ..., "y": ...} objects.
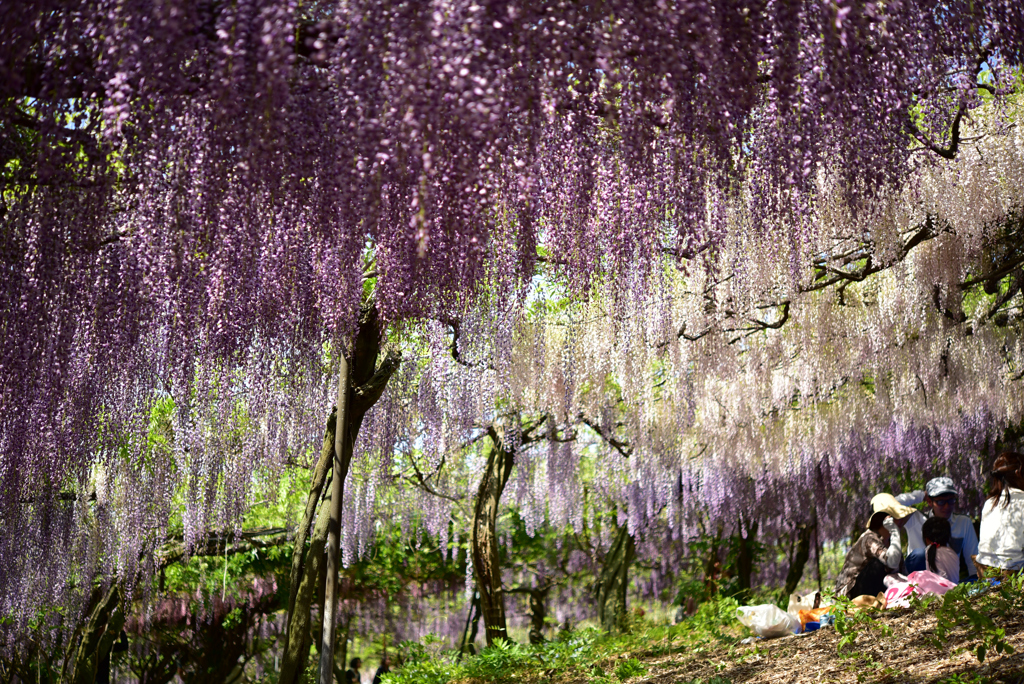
[
  {"x": 865, "y": 567},
  {"x": 940, "y": 498},
  {"x": 898, "y": 516}
]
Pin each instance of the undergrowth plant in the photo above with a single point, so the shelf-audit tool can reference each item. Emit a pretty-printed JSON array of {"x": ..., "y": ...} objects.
[
  {"x": 964, "y": 607},
  {"x": 711, "y": 617},
  {"x": 967, "y": 607},
  {"x": 586, "y": 652},
  {"x": 851, "y": 622},
  {"x": 630, "y": 668}
]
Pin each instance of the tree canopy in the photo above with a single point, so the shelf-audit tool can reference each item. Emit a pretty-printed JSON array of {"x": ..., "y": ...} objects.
[{"x": 763, "y": 245}]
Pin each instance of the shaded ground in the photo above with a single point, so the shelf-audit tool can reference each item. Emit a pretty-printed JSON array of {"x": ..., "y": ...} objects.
[{"x": 905, "y": 655}]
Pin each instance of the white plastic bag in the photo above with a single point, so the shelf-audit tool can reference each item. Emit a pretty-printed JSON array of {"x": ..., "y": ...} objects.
[
  {"x": 768, "y": 620},
  {"x": 796, "y": 604}
]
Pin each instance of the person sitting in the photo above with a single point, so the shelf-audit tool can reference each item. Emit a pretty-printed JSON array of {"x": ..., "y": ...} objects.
[
  {"x": 864, "y": 570},
  {"x": 1002, "y": 517},
  {"x": 898, "y": 517},
  {"x": 939, "y": 558},
  {"x": 940, "y": 496}
]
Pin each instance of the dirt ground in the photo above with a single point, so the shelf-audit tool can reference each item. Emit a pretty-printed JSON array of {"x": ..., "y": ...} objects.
[{"x": 905, "y": 655}]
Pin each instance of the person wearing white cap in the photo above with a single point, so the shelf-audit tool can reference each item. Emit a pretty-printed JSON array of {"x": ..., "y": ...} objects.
[{"x": 939, "y": 496}]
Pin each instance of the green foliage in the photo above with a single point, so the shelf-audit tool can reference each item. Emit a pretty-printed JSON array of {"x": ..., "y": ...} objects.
[
  {"x": 395, "y": 559},
  {"x": 630, "y": 668},
  {"x": 430, "y": 671},
  {"x": 959, "y": 608},
  {"x": 712, "y": 615},
  {"x": 692, "y": 582},
  {"x": 690, "y": 587},
  {"x": 425, "y": 661},
  {"x": 495, "y": 662},
  {"x": 964, "y": 678},
  {"x": 570, "y": 649},
  {"x": 233, "y": 619},
  {"x": 852, "y": 621},
  {"x": 588, "y": 653}
]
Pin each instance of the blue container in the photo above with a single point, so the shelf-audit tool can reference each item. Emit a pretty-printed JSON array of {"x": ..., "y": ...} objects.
[{"x": 811, "y": 626}]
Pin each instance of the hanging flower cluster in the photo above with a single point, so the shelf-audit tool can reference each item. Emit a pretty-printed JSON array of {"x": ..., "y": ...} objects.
[
  {"x": 743, "y": 390},
  {"x": 194, "y": 194}
]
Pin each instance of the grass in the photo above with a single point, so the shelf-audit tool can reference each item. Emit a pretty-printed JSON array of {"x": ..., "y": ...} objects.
[
  {"x": 960, "y": 638},
  {"x": 587, "y": 654}
]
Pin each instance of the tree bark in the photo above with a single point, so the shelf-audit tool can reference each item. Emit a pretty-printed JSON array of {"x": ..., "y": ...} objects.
[
  {"x": 800, "y": 557},
  {"x": 614, "y": 581},
  {"x": 342, "y": 650},
  {"x": 713, "y": 566},
  {"x": 341, "y": 463},
  {"x": 745, "y": 556},
  {"x": 474, "y": 625},
  {"x": 298, "y": 639},
  {"x": 98, "y": 637},
  {"x": 316, "y": 489},
  {"x": 538, "y": 612},
  {"x": 817, "y": 551},
  {"x": 486, "y": 562},
  {"x": 367, "y": 383},
  {"x": 474, "y": 610}
]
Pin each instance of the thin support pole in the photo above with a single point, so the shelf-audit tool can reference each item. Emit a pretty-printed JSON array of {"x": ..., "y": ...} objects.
[
  {"x": 339, "y": 471},
  {"x": 465, "y": 632},
  {"x": 817, "y": 551}
]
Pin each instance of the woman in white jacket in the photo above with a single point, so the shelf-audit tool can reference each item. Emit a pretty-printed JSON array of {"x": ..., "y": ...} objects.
[{"x": 1002, "y": 517}]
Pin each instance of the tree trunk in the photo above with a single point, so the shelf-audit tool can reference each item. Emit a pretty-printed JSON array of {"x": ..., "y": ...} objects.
[
  {"x": 342, "y": 649},
  {"x": 486, "y": 562},
  {"x": 342, "y": 458},
  {"x": 817, "y": 551},
  {"x": 316, "y": 489},
  {"x": 367, "y": 382},
  {"x": 300, "y": 593},
  {"x": 799, "y": 562},
  {"x": 472, "y": 616},
  {"x": 474, "y": 625},
  {"x": 98, "y": 637},
  {"x": 538, "y": 611},
  {"x": 614, "y": 581},
  {"x": 745, "y": 556},
  {"x": 713, "y": 566},
  {"x": 299, "y": 638}
]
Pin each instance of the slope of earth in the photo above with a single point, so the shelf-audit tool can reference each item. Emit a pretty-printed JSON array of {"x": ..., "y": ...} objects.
[
  {"x": 974, "y": 634},
  {"x": 938, "y": 640},
  {"x": 896, "y": 647}
]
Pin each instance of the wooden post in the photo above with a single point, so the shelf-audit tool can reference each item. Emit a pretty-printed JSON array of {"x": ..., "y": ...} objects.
[{"x": 339, "y": 471}]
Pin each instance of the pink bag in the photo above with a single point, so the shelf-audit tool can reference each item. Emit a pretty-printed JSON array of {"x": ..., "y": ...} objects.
[{"x": 920, "y": 582}]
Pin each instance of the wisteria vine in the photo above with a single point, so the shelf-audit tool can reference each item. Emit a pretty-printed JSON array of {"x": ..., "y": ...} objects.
[{"x": 197, "y": 195}]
